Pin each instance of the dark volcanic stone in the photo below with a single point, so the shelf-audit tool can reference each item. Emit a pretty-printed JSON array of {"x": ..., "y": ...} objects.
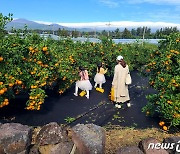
[
  {"x": 51, "y": 133},
  {"x": 173, "y": 143},
  {"x": 147, "y": 144},
  {"x": 129, "y": 150},
  {"x": 14, "y": 138},
  {"x": 89, "y": 138}
]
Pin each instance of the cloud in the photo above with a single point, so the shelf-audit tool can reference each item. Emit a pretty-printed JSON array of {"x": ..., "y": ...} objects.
[
  {"x": 177, "y": 8},
  {"x": 44, "y": 22},
  {"x": 161, "y": 2},
  {"x": 163, "y": 15},
  {"x": 117, "y": 24},
  {"x": 120, "y": 24},
  {"x": 109, "y": 3}
]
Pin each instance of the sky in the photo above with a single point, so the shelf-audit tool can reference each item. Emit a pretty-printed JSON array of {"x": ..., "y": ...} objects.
[{"x": 80, "y": 12}]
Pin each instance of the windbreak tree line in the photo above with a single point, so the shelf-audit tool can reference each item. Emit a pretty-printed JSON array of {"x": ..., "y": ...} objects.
[{"x": 135, "y": 33}]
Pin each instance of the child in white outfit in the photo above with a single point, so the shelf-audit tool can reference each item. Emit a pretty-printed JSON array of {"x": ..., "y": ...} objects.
[
  {"x": 99, "y": 77},
  {"x": 83, "y": 83}
]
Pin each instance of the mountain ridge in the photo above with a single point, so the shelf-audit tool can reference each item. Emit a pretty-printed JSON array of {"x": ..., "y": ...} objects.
[{"x": 21, "y": 22}]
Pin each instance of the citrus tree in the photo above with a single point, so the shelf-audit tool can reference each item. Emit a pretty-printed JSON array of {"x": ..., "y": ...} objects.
[
  {"x": 3, "y": 21},
  {"x": 164, "y": 71},
  {"x": 31, "y": 64}
]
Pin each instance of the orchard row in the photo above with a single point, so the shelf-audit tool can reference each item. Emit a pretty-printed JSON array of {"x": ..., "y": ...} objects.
[{"x": 32, "y": 64}]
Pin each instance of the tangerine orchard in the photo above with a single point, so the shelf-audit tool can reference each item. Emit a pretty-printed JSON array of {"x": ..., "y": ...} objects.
[{"x": 31, "y": 64}]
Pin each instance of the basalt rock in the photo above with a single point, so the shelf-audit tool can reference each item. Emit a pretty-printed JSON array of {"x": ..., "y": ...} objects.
[
  {"x": 51, "y": 133},
  {"x": 173, "y": 144},
  {"x": 61, "y": 148},
  {"x": 129, "y": 150},
  {"x": 89, "y": 138},
  {"x": 14, "y": 138},
  {"x": 34, "y": 150},
  {"x": 151, "y": 146}
]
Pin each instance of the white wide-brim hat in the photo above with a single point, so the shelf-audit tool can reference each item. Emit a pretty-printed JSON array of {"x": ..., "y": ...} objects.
[{"x": 119, "y": 57}]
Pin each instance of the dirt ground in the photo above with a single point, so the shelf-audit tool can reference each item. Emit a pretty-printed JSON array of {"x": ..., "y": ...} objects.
[{"x": 117, "y": 137}]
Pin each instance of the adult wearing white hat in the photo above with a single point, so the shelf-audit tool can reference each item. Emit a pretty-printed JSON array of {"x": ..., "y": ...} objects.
[{"x": 119, "y": 83}]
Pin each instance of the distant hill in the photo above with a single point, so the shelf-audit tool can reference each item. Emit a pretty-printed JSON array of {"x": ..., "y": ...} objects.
[{"x": 20, "y": 23}]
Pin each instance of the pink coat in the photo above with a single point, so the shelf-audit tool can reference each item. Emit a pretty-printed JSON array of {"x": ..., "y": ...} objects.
[{"x": 84, "y": 75}]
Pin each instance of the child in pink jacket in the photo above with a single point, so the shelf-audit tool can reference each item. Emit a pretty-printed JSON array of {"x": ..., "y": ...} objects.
[{"x": 83, "y": 83}]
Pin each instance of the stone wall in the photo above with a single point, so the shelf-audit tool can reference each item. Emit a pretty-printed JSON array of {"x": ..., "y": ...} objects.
[{"x": 16, "y": 138}]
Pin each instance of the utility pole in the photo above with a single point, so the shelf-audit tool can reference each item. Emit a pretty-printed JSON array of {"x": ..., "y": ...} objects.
[
  {"x": 53, "y": 29},
  {"x": 95, "y": 32},
  {"x": 143, "y": 34},
  {"x": 108, "y": 26}
]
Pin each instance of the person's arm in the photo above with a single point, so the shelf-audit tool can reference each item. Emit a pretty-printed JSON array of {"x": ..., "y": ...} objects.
[
  {"x": 102, "y": 71},
  {"x": 105, "y": 71},
  {"x": 128, "y": 69},
  {"x": 80, "y": 74},
  {"x": 86, "y": 75},
  {"x": 115, "y": 76}
]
